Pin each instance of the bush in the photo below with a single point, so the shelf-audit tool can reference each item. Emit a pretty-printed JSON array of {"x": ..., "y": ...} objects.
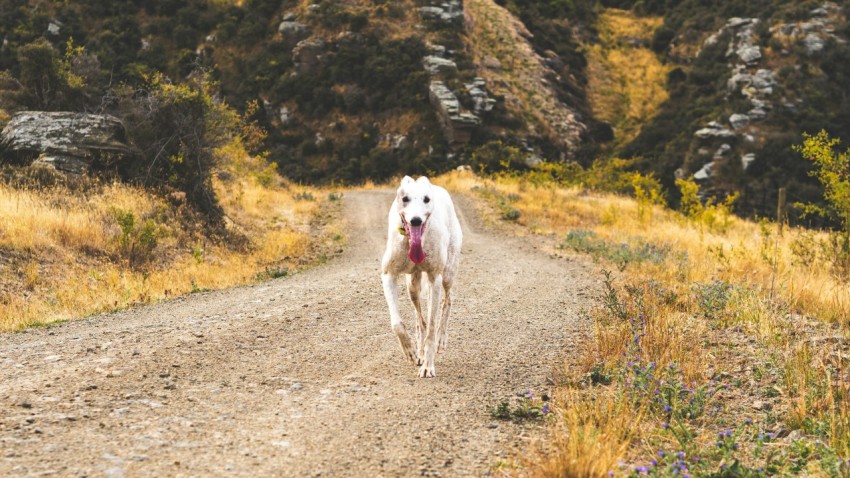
[
  {"x": 177, "y": 127},
  {"x": 831, "y": 170},
  {"x": 136, "y": 242},
  {"x": 46, "y": 80}
]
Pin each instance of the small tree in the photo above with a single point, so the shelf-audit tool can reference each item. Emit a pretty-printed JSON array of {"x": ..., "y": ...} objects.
[
  {"x": 47, "y": 80},
  {"x": 177, "y": 128},
  {"x": 832, "y": 170}
]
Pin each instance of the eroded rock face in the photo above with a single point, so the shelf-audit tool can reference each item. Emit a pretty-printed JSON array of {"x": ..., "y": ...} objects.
[
  {"x": 70, "y": 142},
  {"x": 457, "y": 125}
]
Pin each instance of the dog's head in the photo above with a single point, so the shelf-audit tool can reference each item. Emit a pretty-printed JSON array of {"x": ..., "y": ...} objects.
[
  {"x": 414, "y": 201},
  {"x": 415, "y": 207}
]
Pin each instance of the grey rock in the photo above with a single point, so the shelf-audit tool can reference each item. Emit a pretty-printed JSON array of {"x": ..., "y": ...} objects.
[
  {"x": 737, "y": 80},
  {"x": 482, "y": 102},
  {"x": 289, "y": 16},
  {"x": 437, "y": 50},
  {"x": 457, "y": 125},
  {"x": 714, "y": 130},
  {"x": 764, "y": 79},
  {"x": 308, "y": 54},
  {"x": 749, "y": 53},
  {"x": 54, "y": 27},
  {"x": 69, "y": 142},
  {"x": 813, "y": 43},
  {"x": 722, "y": 151},
  {"x": 761, "y": 405},
  {"x": 756, "y": 114},
  {"x": 746, "y": 160},
  {"x": 738, "y": 121},
  {"x": 293, "y": 32},
  {"x": 285, "y": 115},
  {"x": 431, "y": 12},
  {"x": 533, "y": 161},
  {"x": 399, "y": 142},
  {"x": 704, "y": 172},
  {"x": 447, "y": 11},
  {"x": 736, "y": 22},
  {"x": 436, "y": 65}
]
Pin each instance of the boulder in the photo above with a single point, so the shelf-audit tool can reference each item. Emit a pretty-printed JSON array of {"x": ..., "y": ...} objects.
[
  {"x": 714, "y": 130},
  {"x": 704, "y": 172},
  {"x": 736, "y": 22},
  {"x": 749, "y": 53},
  {"x": 738, "y": 120},
  {"x": 436, "y": 65},
  {"x": 293, "y": 32},
  {"x": 70, "y": 142},
  {"x": 308, "y": 54}
]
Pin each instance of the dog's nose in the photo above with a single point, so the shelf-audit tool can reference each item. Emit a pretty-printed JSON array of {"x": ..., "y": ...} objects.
[{"x": 416, "y": 221}]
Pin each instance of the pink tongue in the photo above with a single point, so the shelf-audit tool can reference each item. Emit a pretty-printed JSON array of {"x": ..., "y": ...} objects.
[{"x": 416, "y": 254}]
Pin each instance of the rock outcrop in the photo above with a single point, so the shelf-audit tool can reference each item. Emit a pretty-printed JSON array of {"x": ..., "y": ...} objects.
[
  {"x": 450, "y": 11},
  {"x": 293, "y": 32},
  {"x": 457, "y": 125},
  {"x": 307, "y": 54},
  {"x": 73, "y": 143}
]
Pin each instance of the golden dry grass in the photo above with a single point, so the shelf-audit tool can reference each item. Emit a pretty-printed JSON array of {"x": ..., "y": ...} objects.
[
  {"x": 62, "y": 255},
  {"x": 626, "y": 80},
  {"x": 778, "y": 297}
]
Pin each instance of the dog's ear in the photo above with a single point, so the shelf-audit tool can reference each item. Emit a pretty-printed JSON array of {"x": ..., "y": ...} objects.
[
  {"x": 424, "y": 180},
  {"x": 406, "y": 180}
]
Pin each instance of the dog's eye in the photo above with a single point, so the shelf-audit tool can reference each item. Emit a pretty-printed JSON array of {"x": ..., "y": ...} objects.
[
  {"x": 405, "y": 199},
  {"x": 427, "y": 199}
]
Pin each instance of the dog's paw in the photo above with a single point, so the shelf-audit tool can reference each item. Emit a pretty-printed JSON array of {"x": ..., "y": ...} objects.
[{"x": 427, "y": 372}]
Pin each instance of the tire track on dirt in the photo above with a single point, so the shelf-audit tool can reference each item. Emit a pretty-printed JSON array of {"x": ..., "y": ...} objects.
[{"x": 299, "y": 376}]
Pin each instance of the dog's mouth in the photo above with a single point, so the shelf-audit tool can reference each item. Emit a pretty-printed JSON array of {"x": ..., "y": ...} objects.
[{"x": 414, "y": 235}]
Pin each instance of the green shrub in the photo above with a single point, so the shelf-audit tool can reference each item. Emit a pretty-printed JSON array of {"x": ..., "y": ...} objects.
[
  {"x": 136, "y": 242},
  {"x": 831, "y": 170}
]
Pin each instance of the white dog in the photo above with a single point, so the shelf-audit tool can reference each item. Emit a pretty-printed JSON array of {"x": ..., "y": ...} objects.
[{"x": 423, "y": 238}]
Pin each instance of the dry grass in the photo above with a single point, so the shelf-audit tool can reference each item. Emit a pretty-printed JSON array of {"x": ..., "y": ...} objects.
[
  {"x": 778, "y": 303},
  {"x": 626, "y": 80},
  {"x": 65, "y": 255}
]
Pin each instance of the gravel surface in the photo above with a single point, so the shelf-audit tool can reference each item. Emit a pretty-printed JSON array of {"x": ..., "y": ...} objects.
[{"x": 298, "y": 376}]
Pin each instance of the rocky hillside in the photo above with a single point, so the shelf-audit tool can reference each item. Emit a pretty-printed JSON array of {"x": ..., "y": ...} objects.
[
  {"x": 347, "y": 90},
  {"x": 747, "y": 80},
  {"x": 355, "y": 89}
]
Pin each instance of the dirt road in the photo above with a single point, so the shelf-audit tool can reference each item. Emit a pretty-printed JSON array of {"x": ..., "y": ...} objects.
[{"x": 299, "y": 376}]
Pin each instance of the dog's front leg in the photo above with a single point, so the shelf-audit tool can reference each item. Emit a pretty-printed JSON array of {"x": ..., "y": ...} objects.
[
  {"x": 427, "y": 369},
  {"x": 391, "y": 293}
]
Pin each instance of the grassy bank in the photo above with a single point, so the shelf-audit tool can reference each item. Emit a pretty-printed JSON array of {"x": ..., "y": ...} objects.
[
  {"x": 73, "y": 250},
  {"x": 720, "y": 345}
]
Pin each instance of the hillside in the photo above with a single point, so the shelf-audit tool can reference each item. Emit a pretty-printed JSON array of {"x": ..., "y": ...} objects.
[
  {"x": 346, "y": 89},
  {"x": 746, "y": 80}
]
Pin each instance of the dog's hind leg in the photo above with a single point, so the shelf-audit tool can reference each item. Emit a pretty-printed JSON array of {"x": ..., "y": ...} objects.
[
  {"x": 414, "y": 287},
  {"x": 426, "y": 370},
  {"x": 448, "y": 281},
  {"x": 442, "y": 330},
  {"x": 390, "y": 282}
]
